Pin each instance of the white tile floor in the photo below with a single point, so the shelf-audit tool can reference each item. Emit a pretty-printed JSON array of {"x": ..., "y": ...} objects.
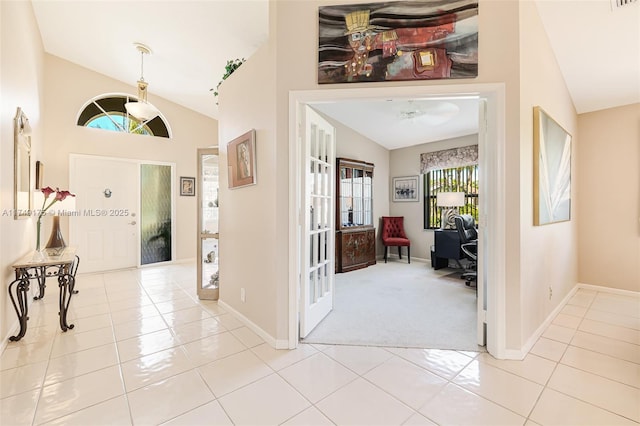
[{"x": 145, "y": 351}]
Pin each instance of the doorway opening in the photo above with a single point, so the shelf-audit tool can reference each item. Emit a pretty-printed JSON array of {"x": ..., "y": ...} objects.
[
  {"x": 125, "y": 212},
  {"x": 491, "y": 243}
]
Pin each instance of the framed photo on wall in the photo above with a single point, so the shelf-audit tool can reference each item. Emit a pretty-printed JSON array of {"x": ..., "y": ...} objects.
[
  {"x": 39, "y": 174},
  {"x": 187, "y": 186},
  {"x": 241, "y": 160},
  {"x": 551, "y": 170},
  {"x": 406, "y": 188}
]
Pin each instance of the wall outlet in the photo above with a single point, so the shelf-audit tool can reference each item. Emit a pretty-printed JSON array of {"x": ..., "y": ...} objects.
[
  {"x": 550, "y": 293},
  {"x": 243, "y": 295}
]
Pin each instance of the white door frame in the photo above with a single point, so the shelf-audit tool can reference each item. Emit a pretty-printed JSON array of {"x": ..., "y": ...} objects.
[
  {"x": 493, "y": 217},
  {"x": 173, "y": 199}
]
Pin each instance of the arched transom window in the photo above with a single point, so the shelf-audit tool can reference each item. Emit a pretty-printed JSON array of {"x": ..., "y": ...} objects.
[{"x": 109, "y": 113}]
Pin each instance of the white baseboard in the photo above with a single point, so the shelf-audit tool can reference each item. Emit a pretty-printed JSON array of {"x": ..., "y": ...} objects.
[
  {"x": 380, "y": 258},
  {"x": 271, "y": 341},
  {"x": 536, "y": 335},
  {"x": 609, "y": 290},
  {"x": 13, "y": 330},
  {"x": 534, "y": 338}
]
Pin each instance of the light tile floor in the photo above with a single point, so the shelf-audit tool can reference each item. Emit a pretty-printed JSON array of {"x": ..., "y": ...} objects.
[{"x": 145, "y": 351}]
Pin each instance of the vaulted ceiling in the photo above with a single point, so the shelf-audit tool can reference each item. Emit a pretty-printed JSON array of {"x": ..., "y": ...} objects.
[{"x": 597, "y": 47}]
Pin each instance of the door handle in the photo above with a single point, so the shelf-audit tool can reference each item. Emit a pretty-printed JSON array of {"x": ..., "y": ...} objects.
[{"x": 132, "y": 223}]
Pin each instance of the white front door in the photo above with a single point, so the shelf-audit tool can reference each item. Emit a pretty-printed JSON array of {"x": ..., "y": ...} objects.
[
  {"x": 105, "y": 231},
  {"x": 318, "y": 223}
]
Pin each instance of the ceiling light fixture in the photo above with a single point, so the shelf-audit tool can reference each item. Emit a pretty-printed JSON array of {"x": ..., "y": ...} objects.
[
  {"x": 411, "y": 111},
  {"x": 141, "y": 109}
]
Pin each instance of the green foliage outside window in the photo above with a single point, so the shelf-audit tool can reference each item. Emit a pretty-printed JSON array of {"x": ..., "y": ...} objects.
[{"x": 456, "y": 179}]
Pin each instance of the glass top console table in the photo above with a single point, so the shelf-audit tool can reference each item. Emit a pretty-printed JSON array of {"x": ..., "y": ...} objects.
[{"x": 62, "y": 266}]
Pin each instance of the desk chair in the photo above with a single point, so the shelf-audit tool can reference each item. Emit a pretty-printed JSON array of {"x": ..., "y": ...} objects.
[{"x": 466, "y": 226}]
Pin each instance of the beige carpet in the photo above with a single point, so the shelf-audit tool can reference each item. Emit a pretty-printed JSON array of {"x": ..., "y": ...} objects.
[{"x": 401, "y": 305}]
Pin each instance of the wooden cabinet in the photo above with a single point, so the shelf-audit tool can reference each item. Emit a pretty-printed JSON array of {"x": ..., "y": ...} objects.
[{"x": 355, "y": 234}]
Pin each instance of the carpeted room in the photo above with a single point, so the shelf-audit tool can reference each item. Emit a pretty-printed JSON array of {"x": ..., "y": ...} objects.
[{"x": 396, "y": 304}]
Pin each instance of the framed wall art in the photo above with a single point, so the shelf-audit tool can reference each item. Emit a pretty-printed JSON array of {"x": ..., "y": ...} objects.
[
  {"x": 406, "y": 188},
  {"x": 187, "y": 186},
  {"x": 398, "y": 40},
  {"x": 551, "y": 170},
  {"x": 39, "y": 174},
  {"x": 241, "y": 160}
]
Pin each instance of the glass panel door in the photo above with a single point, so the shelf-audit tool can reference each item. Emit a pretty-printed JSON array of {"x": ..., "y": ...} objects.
[
  {"x": 208, "y": 237},
  {"x": 155, "y": 213}
]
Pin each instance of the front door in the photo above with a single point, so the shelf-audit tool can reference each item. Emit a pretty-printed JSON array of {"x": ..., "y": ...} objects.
[
  {"x": 105, "y": 231},
  {"x": 318, "y": 224}
]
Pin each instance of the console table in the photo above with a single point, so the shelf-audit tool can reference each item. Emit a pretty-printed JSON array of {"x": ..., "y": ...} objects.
[{"x": 62, "y": 265}]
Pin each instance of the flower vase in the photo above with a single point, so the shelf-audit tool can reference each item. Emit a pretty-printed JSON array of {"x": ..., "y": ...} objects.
[{"x": 38, "y": 254}]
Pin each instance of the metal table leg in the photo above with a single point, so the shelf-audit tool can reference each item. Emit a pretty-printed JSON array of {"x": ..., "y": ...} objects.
[
  {"x": 66, "y": 282},
  {"x": 20, "y": 287},
  {"x": 41, "y": 276}
]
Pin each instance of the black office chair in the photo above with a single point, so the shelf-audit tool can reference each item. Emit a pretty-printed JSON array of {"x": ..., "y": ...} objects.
[{"x": 466, "y": 226}]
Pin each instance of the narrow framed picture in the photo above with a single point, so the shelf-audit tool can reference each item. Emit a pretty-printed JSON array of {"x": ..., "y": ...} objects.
[
  {"x": 241, "y": 160},
  {"x": 187, "y": 186},
  {"x": 39, "y": 174},
  {"x": 406, "y": 188},
  {"x": 551, "y": 170}
]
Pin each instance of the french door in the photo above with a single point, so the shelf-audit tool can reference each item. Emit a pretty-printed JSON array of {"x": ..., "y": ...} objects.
[{"x": 318, "y": 223}]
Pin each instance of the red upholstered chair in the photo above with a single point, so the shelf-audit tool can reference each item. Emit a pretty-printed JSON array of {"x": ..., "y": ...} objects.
[{"x": 393, "y": 235}]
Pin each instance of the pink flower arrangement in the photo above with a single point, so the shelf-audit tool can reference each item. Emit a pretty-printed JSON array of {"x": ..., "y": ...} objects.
[{"x": 60, "y": 196}]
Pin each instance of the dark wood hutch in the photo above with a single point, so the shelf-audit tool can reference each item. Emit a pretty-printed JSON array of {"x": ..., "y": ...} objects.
[{"x": 355, "y": 233}]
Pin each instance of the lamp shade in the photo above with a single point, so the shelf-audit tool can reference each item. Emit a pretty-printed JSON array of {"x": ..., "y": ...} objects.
[
  {"x": 141, "y": 110},
  {"x": 450, "y": 199}
]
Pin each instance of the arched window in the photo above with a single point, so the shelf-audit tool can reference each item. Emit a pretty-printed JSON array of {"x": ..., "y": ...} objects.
[{"x": 108, "y": 112}]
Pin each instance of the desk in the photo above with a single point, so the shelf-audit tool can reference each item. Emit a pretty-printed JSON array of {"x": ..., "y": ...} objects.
[
  {"x": 63, "y": 266},
  {"x": 447, "y": 246}
]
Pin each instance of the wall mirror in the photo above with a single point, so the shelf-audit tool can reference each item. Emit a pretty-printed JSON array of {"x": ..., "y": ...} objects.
[{"x": 21, "y": 166}]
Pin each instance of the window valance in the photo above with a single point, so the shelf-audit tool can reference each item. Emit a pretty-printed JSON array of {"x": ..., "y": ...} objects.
[{"x": 449, "y": 158}]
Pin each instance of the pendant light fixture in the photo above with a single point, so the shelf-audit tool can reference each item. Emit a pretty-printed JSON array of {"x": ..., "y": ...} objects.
[{"x": 141, "y": 109}]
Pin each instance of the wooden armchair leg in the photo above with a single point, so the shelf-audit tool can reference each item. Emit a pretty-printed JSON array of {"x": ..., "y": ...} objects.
[
  {"x": 409, "y": 254},
  {"x": 385, "y": 254},
  {"x": 400, "y": 252}
]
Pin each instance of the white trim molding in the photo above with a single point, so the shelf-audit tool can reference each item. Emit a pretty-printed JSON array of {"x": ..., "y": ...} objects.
[{"x": 495, "y": 273}]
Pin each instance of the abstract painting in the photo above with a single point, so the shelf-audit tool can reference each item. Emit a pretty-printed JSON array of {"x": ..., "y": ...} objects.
[
  {"x": 402, "y": 40},
  {"x": 551, "y": 170}
]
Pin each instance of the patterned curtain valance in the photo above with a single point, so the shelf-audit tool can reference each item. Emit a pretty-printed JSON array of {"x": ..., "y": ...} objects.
[{"x": 449, "y": 158}]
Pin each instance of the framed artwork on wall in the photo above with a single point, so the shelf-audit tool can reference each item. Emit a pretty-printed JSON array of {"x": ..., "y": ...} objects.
[
  {"x": 406, "y": 188},
  {"x": 187, "y": 186},
  {"x": 551, "y": 170},
  {"x": 400, "y": 40},
  {"x": 241, "y": 160},
  {"x": 39, "y": 174}
]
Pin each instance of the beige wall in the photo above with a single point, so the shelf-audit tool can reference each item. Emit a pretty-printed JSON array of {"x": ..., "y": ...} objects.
[
  {"x": 293, "y": 42},
  {"x": 548, "y": 254},
  {"x": 68, "y": 87},
  {"x": 22, "y": 85},
  {"x": 52, "y": 91},
  {"x": 351, "y": 144},
  {"x": 513, "y": 49},
  {"x": 499, "y": 51},
  {"x": 406, "y": 162},
  {"x": 608, "y": 181},
  {"x": 253, "y": 245}
]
